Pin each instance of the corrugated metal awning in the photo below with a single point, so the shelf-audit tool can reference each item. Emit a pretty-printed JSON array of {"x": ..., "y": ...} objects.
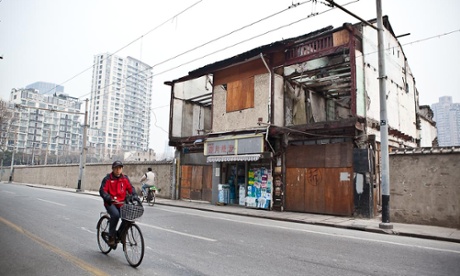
[{"x": 233, "y": 158}]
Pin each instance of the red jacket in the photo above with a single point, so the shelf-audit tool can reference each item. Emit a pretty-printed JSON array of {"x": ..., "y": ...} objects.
[{"x": 115, "y": 188}]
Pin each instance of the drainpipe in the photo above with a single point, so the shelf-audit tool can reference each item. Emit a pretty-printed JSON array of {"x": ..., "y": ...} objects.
[
  {"x": 269, "y": 113},
  {"x": 269, "y": 89},
  {"x": 269, "y": 100}
]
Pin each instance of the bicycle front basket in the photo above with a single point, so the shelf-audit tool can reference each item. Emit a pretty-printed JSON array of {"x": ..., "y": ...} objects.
[{"x": 131, "y": 211}]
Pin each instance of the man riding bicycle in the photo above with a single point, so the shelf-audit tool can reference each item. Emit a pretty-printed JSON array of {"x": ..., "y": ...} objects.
[
  {"x": 147, "y": 181},
  {"x": 113, "y": 191}
]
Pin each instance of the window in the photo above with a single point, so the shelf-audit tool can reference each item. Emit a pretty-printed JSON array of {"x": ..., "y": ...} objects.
[{"x": 240, "y": 94}]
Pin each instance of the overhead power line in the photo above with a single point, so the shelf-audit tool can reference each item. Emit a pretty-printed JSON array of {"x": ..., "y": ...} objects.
[
  {"x": 251, "y": 38},
  {"x": 135, "y": 40},
  {"x": 232, "y": 32},
  {"x": 410, "y": 43},
  {"x": 280, "y": 27},
  {"x": 211, "y": 41},
  {"x": 235, "y": 44}
]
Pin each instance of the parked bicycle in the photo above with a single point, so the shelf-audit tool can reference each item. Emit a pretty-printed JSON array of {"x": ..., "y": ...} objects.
[
  {"x": 149, "y": 197},
  {"x": 131, "y": 236}
]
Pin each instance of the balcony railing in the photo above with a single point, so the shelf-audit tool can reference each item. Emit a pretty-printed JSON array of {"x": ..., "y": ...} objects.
[{"x": 310, "y": 47}]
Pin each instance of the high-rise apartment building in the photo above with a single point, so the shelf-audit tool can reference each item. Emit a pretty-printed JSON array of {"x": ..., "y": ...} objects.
[
  {"x": 120, "y": 104},
  {"x": 46, "y": 88},
  {"x": 447, "y": 118},
  {"x": 44, "y": 126}
]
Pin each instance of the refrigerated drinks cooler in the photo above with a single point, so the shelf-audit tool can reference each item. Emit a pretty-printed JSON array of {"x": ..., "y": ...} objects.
[{"x": 223, "y": 193}]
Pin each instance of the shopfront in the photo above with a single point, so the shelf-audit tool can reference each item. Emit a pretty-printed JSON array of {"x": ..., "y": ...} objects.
[{"x": 245, "y": 175}]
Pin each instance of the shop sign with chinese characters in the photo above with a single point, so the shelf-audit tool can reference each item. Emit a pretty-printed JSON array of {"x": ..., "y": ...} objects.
[
  {"x": 224, "y": 147},
  {"x": 234, "y": 146}
]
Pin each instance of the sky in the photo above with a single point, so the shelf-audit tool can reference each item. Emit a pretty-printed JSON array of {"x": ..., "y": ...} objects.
[{"x": 55, "y": 41}]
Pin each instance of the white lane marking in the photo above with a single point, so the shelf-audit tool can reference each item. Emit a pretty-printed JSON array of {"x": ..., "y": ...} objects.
[
  {"x": 52, "y": 202},
  {"x": 177, "y": 232},
  {"x": 8, "y": 192},
  {"x": 87, "y": 230},
  {"x": 320, "y": 233}
]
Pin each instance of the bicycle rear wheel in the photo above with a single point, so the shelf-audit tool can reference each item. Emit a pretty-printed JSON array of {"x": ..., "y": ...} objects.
[
  {"x": 103, "y": 229},
  {"x": 151, "y": 198},
  {"x": 133, "y": 245}
]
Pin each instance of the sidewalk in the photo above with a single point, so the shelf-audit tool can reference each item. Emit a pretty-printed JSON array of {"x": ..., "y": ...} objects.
[{"x": 370, "y": 225}]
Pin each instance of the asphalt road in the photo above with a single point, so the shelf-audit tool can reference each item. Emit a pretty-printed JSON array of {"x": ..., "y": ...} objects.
[{"x": 49, "y": 232}]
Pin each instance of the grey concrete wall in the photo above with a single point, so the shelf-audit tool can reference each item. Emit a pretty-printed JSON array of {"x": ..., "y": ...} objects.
[
  {"x": 425, "y": 188},
  {"x": 67, "y": 175}
]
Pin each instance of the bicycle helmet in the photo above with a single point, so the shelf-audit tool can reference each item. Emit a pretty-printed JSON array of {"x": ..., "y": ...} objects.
[{"x": 117, "y": 164}]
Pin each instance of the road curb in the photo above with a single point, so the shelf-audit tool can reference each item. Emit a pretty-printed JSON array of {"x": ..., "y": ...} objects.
[{"x": 351, "y": 227}]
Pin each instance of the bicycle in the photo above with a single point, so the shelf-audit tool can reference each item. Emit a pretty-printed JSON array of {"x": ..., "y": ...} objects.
[
  {"x": 131, "y": 237},
  {"x": 150, "y": 196}
]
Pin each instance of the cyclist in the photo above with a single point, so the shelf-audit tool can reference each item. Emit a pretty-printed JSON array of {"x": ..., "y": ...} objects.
[
  {"x": 147, "y": 180},
  {"x": 113, "y": 191}
]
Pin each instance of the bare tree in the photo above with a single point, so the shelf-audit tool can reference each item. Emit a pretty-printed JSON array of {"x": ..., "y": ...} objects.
[{"x": 6, "y": 117}]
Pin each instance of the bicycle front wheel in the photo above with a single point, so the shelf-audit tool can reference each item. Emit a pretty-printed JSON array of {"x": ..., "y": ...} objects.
[
  {"x": 133, "y": 245},
  {"x": 103, "y": 229}
]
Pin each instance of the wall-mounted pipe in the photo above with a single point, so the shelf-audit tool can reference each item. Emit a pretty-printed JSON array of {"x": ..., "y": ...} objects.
[
  {"x": 269, "y": 101},
  {"x": 269, "y": 89}
]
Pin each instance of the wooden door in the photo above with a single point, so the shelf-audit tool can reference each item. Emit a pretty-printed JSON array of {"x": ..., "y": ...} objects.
[
  {"x": 314, "y": 190},
  {"x": 319, "y": 179},
  {"x": 320, "y": 190},
  {"x": 207, "y": 184},
  {"x": 295, "y": 189},
  {"x": 196, "y": 182},
  {"x": 186, "y": 181}
]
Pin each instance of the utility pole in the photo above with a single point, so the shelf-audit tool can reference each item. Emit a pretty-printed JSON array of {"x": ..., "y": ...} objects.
[
  {"x": 84, "y": 148},
  {"x": 33, "y": 153},
  {"x": 385, "y": 163},
  {"x": 47, "y": 147},
  {"x": 12, "y": 157}
]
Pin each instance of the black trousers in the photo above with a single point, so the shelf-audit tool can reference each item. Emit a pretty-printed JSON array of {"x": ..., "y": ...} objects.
[{"x": 114, "y": 213}]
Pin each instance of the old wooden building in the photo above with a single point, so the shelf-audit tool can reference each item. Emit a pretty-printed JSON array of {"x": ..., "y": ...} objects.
[{"x": 293, "y": 125}]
